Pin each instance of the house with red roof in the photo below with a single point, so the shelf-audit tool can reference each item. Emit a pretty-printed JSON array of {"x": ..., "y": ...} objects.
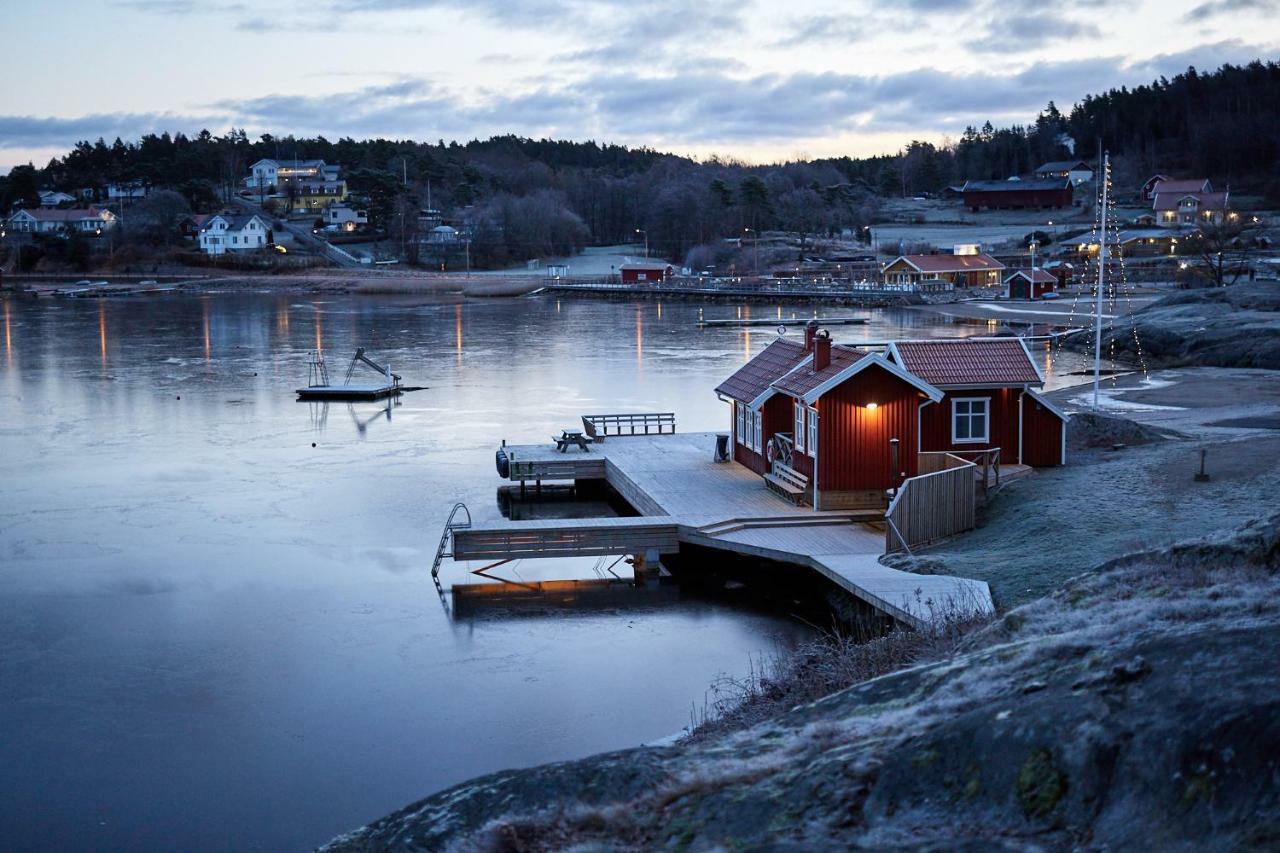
[
  {"x": 1188, "y": 203},
  {"x": 1029, "y": 284},
  {"x": 852, "y": 423},
  {"x": 44, "y": 220},
  {"x": 943, "y": 272}
]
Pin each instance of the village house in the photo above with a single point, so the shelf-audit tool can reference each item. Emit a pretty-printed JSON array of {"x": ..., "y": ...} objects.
[
  {"x": 1188, "y": 203},
  {"x": 1029, "y": 284},
  {"x": 307, "y": 185},
  {"x": 340, "y": 217},
  {"x": 44, "y": 220},
  {"x": 1148, "y": 187},
  {"x": 1076, "y": 171},
  {"x": 53, "y": 198},
  {"x": 962, "y": 268},
  {"x": 226, "y": 232},
  {"x": 1015, "y": 194},
  {"x": 851, "y": 424},
  {"x": 643, "y": 272}
]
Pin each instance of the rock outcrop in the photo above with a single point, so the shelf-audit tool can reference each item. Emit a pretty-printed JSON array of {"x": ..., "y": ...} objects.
[{"x": 1137, "y": 708}]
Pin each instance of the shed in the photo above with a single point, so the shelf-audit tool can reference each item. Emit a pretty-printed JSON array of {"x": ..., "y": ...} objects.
[
  {"x": 1042, "y": 193},
  {"x": 646, "y": 271},
  {"x": 1029, "y": 284}
]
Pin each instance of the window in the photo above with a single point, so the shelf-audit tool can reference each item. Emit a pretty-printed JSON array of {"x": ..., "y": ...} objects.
[
  {"x": 742, "y": 422},
  {"x": 758, "y": 432},
  {"x": 799, "y": 431},
  {"x": 969, "y": 421},
  {"x": 813, "y": 433}
]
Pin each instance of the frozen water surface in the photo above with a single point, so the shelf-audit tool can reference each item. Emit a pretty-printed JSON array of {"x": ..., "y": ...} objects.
[{"x": 214, "y": 636}]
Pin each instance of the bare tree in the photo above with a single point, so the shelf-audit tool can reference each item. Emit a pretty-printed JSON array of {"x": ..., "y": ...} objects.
[{"x": 1218, "y": 254}]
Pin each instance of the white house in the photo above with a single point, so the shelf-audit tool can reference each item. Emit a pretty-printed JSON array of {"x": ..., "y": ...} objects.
[
  {"x": 271, "y": 173},
  {"x": 45, "y": 220},
  {"x": 1078, "y": 171},
  {"x": 225, "y": 232},
  {"x": 53, "y": 198},
  {"x": 339, "y": 217}
]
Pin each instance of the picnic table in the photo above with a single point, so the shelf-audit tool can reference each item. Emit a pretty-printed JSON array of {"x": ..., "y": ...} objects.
[{"x": 571, "y": 436}]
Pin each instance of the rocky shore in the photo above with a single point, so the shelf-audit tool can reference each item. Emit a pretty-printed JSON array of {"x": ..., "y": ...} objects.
[
  {"x": 1136, "y": 707},
  {"x": 1237, "y": 326}
]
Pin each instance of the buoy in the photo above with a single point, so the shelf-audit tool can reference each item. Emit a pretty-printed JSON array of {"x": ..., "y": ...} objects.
[
  {"x": 313, "y": 444},
  {"x": 179, "y": 396}
]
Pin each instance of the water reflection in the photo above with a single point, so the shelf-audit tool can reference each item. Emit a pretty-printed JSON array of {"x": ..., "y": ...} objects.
[
  {"x": 8, "y": 337},
  {"x": 457, "y": 331},
  {"x": 102, "y": 332}
]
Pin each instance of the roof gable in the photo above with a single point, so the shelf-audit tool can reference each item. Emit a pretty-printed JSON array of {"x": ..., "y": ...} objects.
[
  {"x": 756, "y": 376},
  {"x": 846, "y": 363},
  {"x": 947, "y": 263},
  {"x": 951, "y": 363}
]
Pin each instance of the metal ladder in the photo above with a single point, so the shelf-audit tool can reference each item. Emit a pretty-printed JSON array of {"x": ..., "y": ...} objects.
[{"x": 446, "y": 536}]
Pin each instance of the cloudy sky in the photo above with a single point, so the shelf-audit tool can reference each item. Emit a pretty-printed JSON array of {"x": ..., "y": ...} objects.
[{"x": 760, "y": 80}]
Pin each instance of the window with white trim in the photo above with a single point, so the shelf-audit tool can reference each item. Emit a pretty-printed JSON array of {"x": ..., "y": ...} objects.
[
  {"x": 742, "y": 422},
  {"x": 758, "y": 432},
  {"x": 970, "y": 420},
  {"x": 813, "y": 433},
  {"x": 798, "y": 435}
]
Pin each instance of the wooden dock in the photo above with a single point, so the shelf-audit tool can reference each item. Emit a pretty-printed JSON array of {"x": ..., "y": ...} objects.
[
  {"x": 348, "y": 392},
  {"x": 685, "y": 497},
  {"x": 787, "y": 321}
]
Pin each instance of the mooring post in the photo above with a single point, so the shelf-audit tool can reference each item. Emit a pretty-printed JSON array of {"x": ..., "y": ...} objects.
[{"x": 1202, "y": 476}]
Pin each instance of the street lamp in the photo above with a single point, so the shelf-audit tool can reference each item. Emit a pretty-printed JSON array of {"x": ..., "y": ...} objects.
[
  {"x": 646, "y": 240},
  {"x": 756, "y": 243}
]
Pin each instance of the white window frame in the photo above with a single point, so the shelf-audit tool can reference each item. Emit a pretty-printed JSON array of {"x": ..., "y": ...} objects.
[
  {"x": 813, "y": 433},
  {"x": 740, "y": 410},
  {"x": 757, "y": 431},
  {"x": 799, "y": 435},
  {"x": 986, "y": 419}
]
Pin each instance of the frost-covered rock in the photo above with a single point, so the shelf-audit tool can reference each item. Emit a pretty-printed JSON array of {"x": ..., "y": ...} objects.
[{"x": 1137, "y": 708}]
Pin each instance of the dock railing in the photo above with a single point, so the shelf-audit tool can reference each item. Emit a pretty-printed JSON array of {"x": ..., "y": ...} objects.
[
  {"x": 649, "y": 423},
  {"x": 987, "y": 464},
  {"x": 937, "y": 503}
]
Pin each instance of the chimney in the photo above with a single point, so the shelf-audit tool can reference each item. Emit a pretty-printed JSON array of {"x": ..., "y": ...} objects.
[
  {"x": 821, "y": 350},
  {"x": 810, "y": 329}
]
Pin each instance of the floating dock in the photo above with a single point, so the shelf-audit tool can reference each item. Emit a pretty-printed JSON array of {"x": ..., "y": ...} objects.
[
  {"x": 686, "y": 498},
  {"x": 348, "y": 392},
  {"x": 790, "y": 321}
]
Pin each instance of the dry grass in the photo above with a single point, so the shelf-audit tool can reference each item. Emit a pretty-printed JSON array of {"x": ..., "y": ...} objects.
[{"x": 833, "y": 661}]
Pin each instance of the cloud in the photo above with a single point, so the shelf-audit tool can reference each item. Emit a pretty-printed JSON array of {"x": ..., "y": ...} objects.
[
  {"x": 33, "y": 131},
  {"x": 826, "y": 29},
  {"x": 1215, "y": 8},
  {"x": 1028, "y": 31}
]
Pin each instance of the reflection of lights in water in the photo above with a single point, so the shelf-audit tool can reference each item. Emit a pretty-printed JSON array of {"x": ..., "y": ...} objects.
[
  {"x": 739, "y": 312},
  {"x": 282, "y": 318},
  {"x": 779, "y": 311},
  {"x": 8, "y": 339},
  {"x": 659, "y": 310},
  {"x": 557, "y": 306},
  {"x": 639, "y": 335},
  {"x": 746, "y": 345},
  {"x": 102, "y": 332},
  {"x": 208, "y": 344},
  {"x": 457, "y": 330},
  {"x": 319, "y": 344}
]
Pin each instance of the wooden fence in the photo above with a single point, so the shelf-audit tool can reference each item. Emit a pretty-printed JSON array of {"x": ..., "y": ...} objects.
[
  {"x": 986, "y": 460},
  {"x": 933, "y": 505}
]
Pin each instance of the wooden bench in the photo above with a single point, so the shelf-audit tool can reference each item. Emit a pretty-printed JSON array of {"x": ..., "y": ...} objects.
[
  {"x": 652, "y": 423},
  {"x": 787, "y": 482}
]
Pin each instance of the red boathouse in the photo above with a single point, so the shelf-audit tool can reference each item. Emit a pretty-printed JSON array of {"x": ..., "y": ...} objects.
[{"x": 851, "y": 423}]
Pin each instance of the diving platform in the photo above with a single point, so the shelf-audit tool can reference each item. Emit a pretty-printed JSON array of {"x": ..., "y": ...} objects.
[
  {"x": 348, "y": 392},
  {"x": 684, "y": 497}
]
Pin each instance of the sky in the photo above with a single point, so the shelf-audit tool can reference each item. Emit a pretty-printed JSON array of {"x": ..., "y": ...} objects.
[{"x": 756, "y": 80}]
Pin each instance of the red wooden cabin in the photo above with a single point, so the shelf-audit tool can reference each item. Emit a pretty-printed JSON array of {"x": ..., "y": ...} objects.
[
  {"x": 1029, "y": 284},
  {"x": 989, "y": 400},
  {"x": 853, "y": 422}
]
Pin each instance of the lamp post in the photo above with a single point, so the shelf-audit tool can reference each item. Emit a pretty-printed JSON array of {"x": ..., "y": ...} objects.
[
  {"x": 646, "y": 241},
  {"x": 756, "y": 251}
]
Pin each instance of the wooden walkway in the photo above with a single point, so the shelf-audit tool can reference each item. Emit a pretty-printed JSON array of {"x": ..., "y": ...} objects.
[{"x": 686, "y": 497}]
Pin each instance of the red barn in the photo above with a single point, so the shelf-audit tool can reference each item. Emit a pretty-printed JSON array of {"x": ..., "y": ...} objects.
[
  {"x": 1041, "y": 194},
  {"x": 853, "y": 422},
  {"x": 645, "y": 272},
  {"x": 1029, "y": 284}
]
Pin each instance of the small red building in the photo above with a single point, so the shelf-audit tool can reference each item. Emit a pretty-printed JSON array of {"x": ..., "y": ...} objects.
[
  {"x": 853, "y": 422},
  {"x": 1029, "y": 284},
  {"x": 1015, "y": 194},
  {"x": 988, "y": 399},
  {"x": 646, "y": 272}
]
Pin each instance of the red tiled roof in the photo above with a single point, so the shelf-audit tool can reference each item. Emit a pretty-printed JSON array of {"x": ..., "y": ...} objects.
[
  {"x": 1208, "y": 201},
  {"x": 1193, "y": 185},
  {"x": 754, "y": 378},
  {"x": 1040, "y": 275},
  {"x": 804, "y": 379},
  {"x": 976, "y": 361},
  {"x": 949, "y": 263},
  {"x": 70, "y": 214}
]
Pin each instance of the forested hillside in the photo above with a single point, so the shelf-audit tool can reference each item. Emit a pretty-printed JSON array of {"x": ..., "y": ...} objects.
[{"x": 524, "y": 197}]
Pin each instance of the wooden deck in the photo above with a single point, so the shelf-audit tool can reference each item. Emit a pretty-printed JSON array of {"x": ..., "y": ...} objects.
[{"x": 686, "y": 497}]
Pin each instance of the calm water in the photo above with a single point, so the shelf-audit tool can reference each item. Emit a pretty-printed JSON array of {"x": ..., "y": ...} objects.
[{"x": 214, "y": 635}]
